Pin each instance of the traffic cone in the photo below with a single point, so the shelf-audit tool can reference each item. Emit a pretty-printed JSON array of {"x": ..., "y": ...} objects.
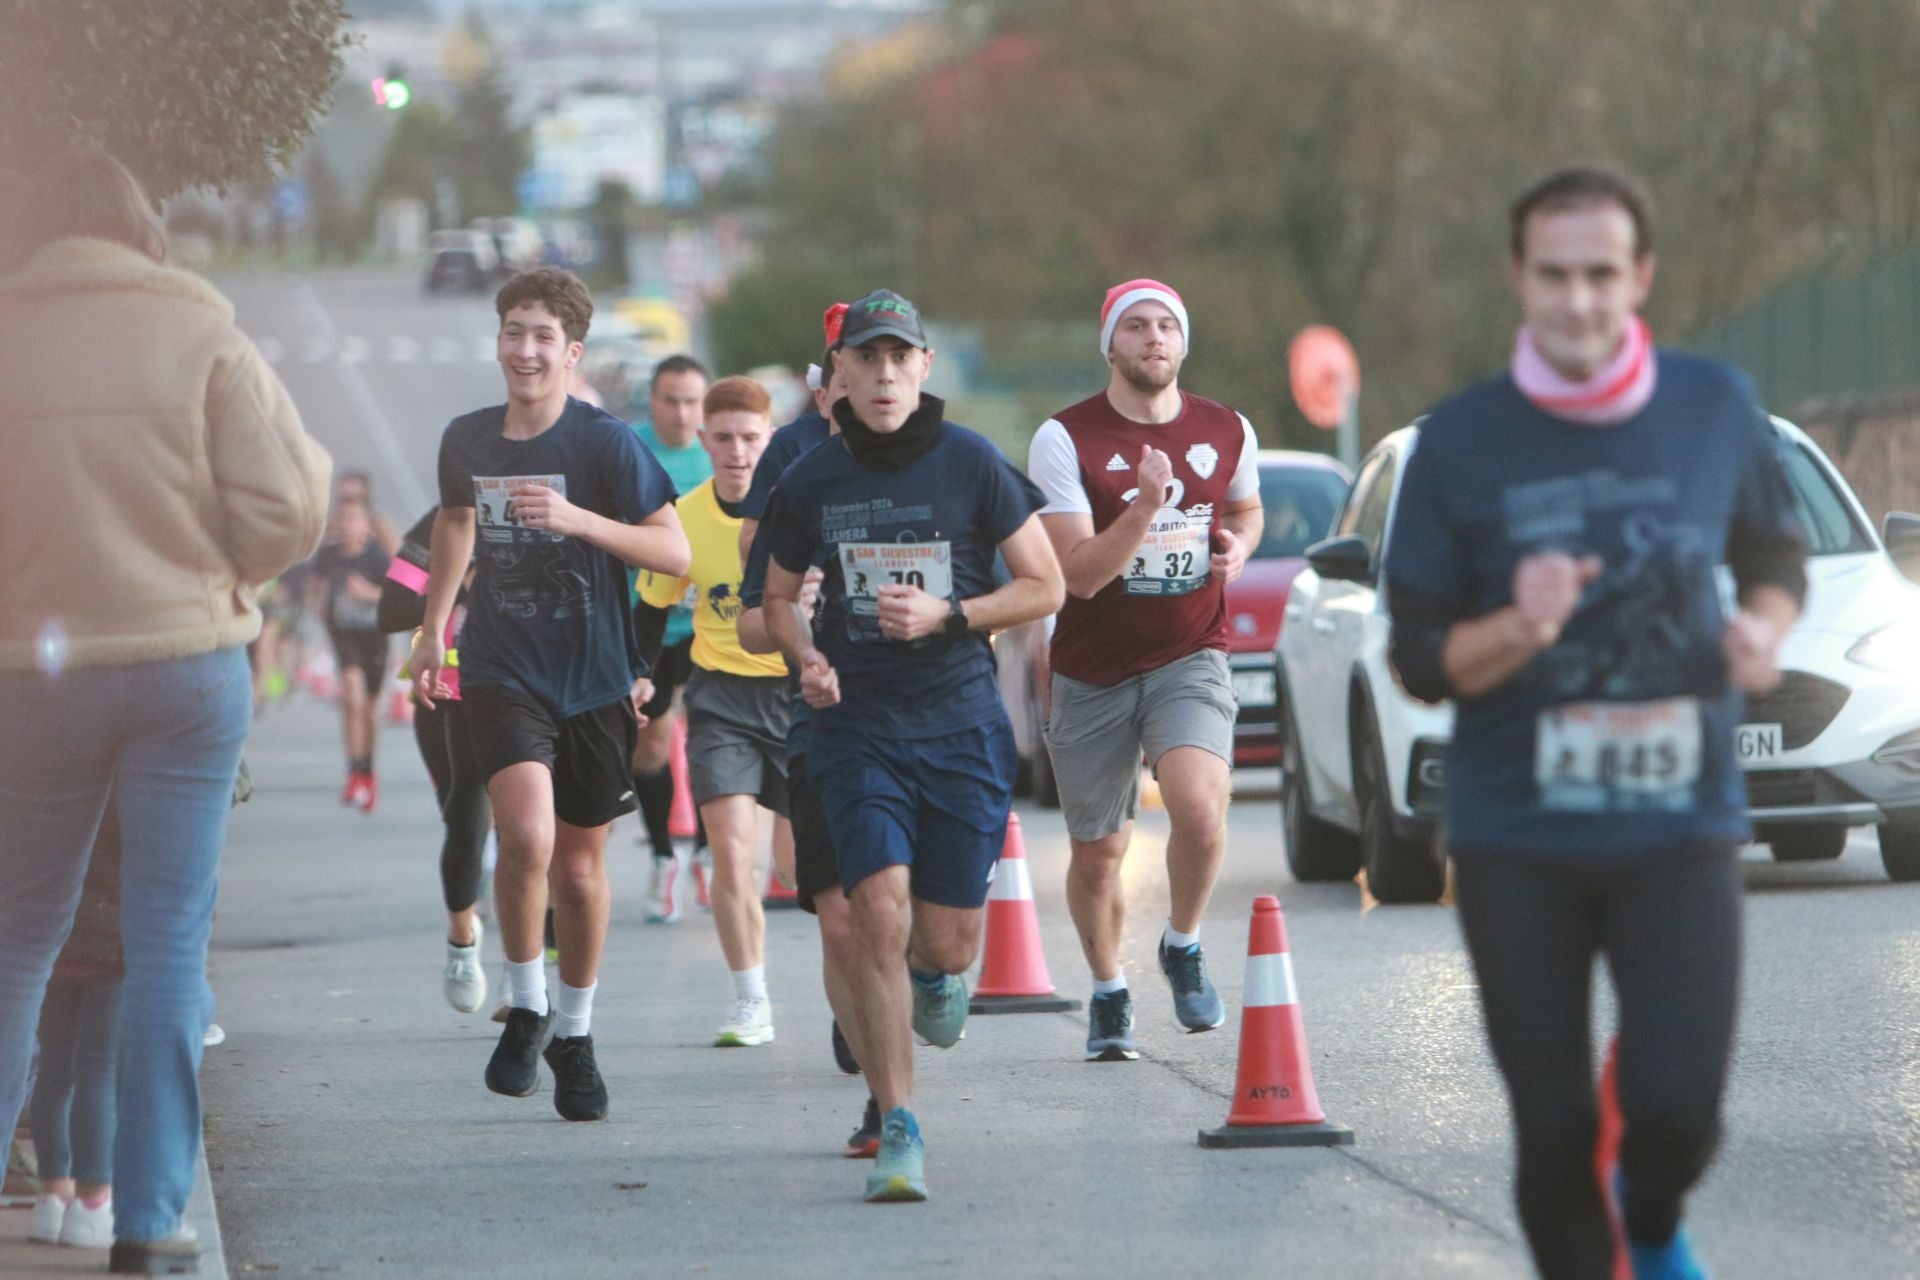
[
  {"x": 400, "y": 703},
  {"x": 1606, "y": 1158},
  {"x": 1013, "y": 975},
  {"x": 1274, "y": 1103},
  {"x": 682, "y": 824}
]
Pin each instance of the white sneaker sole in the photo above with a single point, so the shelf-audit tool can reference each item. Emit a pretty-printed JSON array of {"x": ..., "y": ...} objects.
[{"x": 735, "y": 1040}]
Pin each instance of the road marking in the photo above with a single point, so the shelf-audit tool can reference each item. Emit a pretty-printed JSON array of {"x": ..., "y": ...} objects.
[
  {"x": 372, "y": 417},
  {"x": 316, "y": 350},
  {"x": 445, "y": 351},
  {"x": 403, "y": 350},
  {"x": 353, "y": 349}
]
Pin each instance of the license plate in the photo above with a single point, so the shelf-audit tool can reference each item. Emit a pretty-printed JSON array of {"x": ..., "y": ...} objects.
[
  {"x": 1253, "y": 687},
  {"x": 1756, "y": 743}
]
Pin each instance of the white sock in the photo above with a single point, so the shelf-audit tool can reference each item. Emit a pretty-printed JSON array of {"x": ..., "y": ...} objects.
[
  {"x": 573, "y": 1016},
  {"x": 750, "y": 984},
  {"x": 1174, "y": 940},
  {"x": 1107, "y": 986},
  {"x": 527, "y": 984}
]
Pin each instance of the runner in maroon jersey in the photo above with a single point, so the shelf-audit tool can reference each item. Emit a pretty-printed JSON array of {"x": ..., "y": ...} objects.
[{"x": 1153, "y": 498}]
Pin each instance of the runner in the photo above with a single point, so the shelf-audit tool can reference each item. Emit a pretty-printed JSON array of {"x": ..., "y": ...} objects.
[
  {"x": 672, "y": 432},
  {"x": 562, "y": 498},
  {"x": 448, "y": 750},
  {"x": 1553, "y": 571},
  {"x": 1153, "y": 498},
  {"x": 346, "y": 577},
  {"x": 737, "y": 702},
  {"x": 911, "y": 753}
]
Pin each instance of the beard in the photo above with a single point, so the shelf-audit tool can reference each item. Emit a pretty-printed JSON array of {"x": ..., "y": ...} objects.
[{"x": 1144, "y": 378}]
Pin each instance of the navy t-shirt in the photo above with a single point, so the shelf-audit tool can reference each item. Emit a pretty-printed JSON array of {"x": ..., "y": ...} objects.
[
  {"x": 332, "y": 565},
  {"x": 1619, "y": 737},
  {"x": 547, "y": 613},
  {"x": 784, "y": 448},
  {"x": 937, "y": 523}
]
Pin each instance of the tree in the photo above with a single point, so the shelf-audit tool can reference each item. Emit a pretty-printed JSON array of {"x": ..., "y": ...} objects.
[{"x": 186, "y": 93}]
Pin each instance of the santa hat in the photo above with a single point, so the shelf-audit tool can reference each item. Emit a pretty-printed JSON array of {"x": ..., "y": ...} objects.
[
  {"x": 1122, "y": 296},
  {"x": 830, "y": 324}
]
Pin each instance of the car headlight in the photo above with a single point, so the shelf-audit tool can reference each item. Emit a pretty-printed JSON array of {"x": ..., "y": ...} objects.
[{"x": 1895, "y": 647}]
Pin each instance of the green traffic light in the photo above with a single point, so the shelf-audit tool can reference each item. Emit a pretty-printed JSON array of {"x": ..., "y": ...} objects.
[{"x": 397, "y": 95}]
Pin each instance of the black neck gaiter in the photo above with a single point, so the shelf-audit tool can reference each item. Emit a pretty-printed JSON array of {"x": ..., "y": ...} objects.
[{"x": 891, "y": 450}]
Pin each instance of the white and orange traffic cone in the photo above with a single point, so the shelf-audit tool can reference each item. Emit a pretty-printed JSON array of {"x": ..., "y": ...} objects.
[
  {"x": 1013, "y": 973},
  {"x": 682, "y": 822},
  {"x": 1274, "y": 1101}
]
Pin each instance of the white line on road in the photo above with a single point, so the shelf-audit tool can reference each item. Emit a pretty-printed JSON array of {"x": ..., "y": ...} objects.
[
  {"x": 403, "y": 350},
  {"x": 445, "y": 350},
  {"x": 379, "y": 430},
  {"x": 353, "y": 349}
]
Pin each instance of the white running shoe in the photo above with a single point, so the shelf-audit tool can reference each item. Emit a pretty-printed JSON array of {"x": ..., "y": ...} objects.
[
  {"x": 664, "y": 890},
  {"x": 213, "y": 1035},
  {"x": 463, "y": 981},
  {"x": 86, "y": 1228},
  {"x": 751, "y": 1023},
  {"x": 48, "y": 1213}
]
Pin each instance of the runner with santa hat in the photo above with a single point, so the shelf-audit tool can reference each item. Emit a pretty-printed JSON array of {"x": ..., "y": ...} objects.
[{"x": 1153, "y": 499}]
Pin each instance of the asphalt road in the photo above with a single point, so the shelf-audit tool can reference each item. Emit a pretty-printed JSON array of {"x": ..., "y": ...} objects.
[{"x": 349, "y": 1134}]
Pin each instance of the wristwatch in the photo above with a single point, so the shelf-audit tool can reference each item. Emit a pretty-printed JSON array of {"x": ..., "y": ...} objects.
[{"x": 956, "y": 625}]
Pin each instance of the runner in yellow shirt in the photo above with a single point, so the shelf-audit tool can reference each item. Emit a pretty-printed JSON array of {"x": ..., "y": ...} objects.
[{"x": 737, "y": 703}]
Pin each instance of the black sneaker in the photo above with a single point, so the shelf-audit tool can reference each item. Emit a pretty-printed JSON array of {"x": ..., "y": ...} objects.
[
  {"x": 865, "y": 1142},
  {"x": 578, "y": 1091},
  {"x": 514, "y": 1068},
  {"x": 1110, "y": 1027},
  {"x": 1195, "y": 1003},
  {"x": 843, "y": 1054}
]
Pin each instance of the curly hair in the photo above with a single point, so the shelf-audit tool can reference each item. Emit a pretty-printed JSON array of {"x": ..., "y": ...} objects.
[{"x": 558, "y": 290}]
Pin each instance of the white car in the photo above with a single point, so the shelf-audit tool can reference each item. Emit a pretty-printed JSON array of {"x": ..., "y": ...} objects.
[{"x": 1837, "y": 745}]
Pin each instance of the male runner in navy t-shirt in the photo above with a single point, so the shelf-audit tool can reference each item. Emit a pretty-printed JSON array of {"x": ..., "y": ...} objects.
[
  {"x": 911, "y": 752},
  {"x": 1552, "y": 567},
  {"x": 561, "y": 497}
]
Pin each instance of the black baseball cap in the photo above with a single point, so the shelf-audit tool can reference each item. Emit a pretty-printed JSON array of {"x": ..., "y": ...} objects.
[{"x": 882, "y": 314}]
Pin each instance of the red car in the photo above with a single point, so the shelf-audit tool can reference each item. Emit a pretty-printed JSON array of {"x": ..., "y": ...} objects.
[{"x": 1301, "y": 493}]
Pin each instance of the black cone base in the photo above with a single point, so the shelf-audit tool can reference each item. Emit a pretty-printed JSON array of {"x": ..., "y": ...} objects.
[
  {"x": 1276, "y": 1135},
  {"x": 1049, "y": 1003}
]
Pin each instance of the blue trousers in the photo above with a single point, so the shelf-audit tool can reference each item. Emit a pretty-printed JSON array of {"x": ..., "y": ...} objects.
[{"x": 165, "y": 737}]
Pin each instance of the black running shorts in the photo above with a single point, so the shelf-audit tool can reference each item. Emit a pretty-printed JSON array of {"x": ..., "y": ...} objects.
[
  {"x": 589, "y": 754},
  {"x": 361, "y": 650},
  {"x": 672, "y": 671},
  {"x": 814, "y": 869}
]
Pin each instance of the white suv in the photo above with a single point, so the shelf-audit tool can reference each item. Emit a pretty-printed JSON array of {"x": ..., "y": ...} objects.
[{"x": 1837, "y": 745}]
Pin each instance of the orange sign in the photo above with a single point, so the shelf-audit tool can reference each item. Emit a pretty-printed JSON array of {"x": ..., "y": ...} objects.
[{"x": 1325, "y": 374}]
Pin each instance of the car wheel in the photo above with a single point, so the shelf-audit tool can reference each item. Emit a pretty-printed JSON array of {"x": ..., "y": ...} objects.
[
  {"x": 1046, "y": 790},
  {"x": 1900, "y": 850},
  {"x": 1316, "y": 850},
  {"x": 1398, "y": 869},
  {"x": 1808, "y": 844}
]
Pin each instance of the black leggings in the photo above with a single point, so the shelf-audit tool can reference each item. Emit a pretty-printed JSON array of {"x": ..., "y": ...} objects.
[
  {"x": 447, "y": 748},
  {"x": 1669, "y": 923}
]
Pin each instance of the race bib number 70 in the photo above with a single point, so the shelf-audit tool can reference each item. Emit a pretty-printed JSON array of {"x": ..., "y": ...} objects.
[{"x": 865, "y": 567}]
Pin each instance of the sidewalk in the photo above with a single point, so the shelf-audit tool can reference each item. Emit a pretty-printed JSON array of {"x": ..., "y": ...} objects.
[{"x": 24, "y": 1259}]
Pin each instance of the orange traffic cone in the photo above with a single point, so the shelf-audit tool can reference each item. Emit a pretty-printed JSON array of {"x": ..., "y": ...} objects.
[
  {"x": 1606, "y": 1158},
  {"x": 1013, "y": 976},
  {"x": 400, "y": 703},
  {"x": 1274, "y": 1103},
  {"x": 682, "y": 824}
]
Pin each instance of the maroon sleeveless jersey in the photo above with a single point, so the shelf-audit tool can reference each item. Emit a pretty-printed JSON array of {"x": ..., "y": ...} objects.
[{"x": 1164, "y": 606}]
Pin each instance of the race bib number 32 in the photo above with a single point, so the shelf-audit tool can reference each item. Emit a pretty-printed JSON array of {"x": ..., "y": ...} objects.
[
  {"x": 1611, "y": 757},
  {"x": 865, "y": 567},
  {"x": 1172, "y": 559}
]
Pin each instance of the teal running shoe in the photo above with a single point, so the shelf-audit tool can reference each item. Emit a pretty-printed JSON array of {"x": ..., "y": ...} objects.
[
  {"x": 1673, "y": 1260},
  {"x": 900, "y": 1169},
  {"x": 940, "y": 1012}
]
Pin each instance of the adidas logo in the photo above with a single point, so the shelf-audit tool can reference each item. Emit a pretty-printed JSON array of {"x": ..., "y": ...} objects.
[{"x": 1118, "y": 463}]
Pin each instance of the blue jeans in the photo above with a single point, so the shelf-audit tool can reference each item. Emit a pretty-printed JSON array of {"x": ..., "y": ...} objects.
[
  {"x": 166, "y": 738},
  {"x": 73, "y": 1104}
]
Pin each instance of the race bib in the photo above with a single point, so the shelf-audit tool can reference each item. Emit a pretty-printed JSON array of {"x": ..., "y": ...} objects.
[
  {"x": 865, "y": 567},
  {"x": 491, "y": 508},
  {"x": 1173, "y": 558},
  {"x": 1607, "y": 757},
  {"x": 350, "y": 613}
]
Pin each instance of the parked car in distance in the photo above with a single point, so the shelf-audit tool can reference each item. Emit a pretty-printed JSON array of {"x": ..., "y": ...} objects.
[
  {"x": 461, "y": 261},
  {"x": 1300, "y": 493},
  {"x": 1837, "y": 745}
]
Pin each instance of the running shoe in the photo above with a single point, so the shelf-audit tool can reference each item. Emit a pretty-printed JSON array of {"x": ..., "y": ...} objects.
[
  {"x": 1673, "y": 1260},
  {"x": 1110, "y": 1027},
  {"x": 900, "y": 1165},
  {"x": 350, "y": 794},
  {"x": 843, "y": 1052},
  {"x": 88, "y": 1227},
  {"x": 940, "y": 1013},
  {"x": 865, "y": 1142},
  {"x": 578, "y": 1091},
  {"x": 213, "y": 1035},
  {"x": 1195, "y": 1003},
  {"x": 462, "y": 980},
  {"x": 369, "y": 793},
  {"x": 176, "y": 1255},
  {"x": 50, "y": 1211},
  {"x": 663, "y": 902},
  {"x": 514, "y": 1068},
  {"x": 751, "y": 1023},
  {"x": 702, "y": 861}
]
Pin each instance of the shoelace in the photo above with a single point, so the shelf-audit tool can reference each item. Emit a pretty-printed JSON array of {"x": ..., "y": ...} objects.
[
  {"x": 1110, "y": 1017},
  {"x": 1187, "y": 973},
  {"x": 744, "y": 1013},
  {"x": 580, "y": 1061}
]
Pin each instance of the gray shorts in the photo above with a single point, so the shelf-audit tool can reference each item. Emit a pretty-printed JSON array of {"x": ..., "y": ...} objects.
[
  {"x": 1096, "y": 734},
  {"x": 737, "y": 737}
]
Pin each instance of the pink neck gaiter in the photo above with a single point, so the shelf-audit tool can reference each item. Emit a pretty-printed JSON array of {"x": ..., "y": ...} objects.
[{"x": 1615, "y": 393}]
